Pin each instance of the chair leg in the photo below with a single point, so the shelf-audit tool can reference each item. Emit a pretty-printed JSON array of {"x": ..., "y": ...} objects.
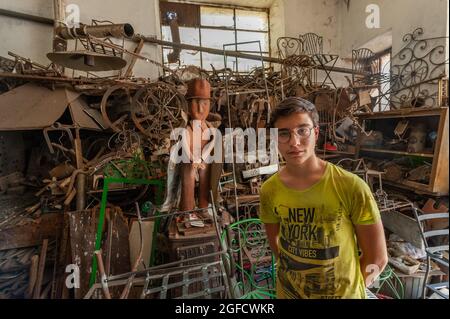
[{"x": 425, "y": 279}]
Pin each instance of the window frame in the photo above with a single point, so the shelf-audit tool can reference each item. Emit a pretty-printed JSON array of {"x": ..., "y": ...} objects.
[{"x": 234, "y": 29}]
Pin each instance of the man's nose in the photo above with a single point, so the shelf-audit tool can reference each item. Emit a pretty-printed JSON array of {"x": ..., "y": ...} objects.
[
  {"x": 201, "y": 108},
  {"x": 295, "y": 139}
]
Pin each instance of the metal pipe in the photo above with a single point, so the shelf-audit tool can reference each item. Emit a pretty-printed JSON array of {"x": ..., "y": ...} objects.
[
  {"x": 98, "y": 31},
  {"x": 59, "y": 44},
  {"x": 103, "y": 278},
  {"x": 183, "y": 46}
]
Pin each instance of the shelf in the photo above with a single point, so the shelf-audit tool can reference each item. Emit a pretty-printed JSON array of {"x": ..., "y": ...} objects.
[
  {"x": 402, "y": 113},
  {"x": 334, "y": 152},
  {"x": 436, "y": 119},
  {"x": 375, "y": 150},
  {"x": 418, "y": 188}
]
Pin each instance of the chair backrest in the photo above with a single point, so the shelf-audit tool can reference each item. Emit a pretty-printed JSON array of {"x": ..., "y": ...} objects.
[
  {"x": 364, "y": 61},
  {"x": 422, "y": 219},
  {"x": 311, "y": 43},
  {"x": 288, "y": 46}
]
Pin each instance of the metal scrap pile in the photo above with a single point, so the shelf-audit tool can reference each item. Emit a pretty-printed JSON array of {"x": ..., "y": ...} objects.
[{"x": 101, "y": 137}]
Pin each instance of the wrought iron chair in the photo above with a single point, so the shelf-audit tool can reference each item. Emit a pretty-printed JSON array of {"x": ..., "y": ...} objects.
[
  {"x": 288, "y": 46},
  {"x": 437, "y": 253},
  {"x": 311, "y": 43},
  {"x": 364, "y": 61}
]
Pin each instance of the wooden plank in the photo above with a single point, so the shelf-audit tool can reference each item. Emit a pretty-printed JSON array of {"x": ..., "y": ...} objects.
[
  {"x": 439, "y": 173},
  {"x": 83, "y": 226},
  {"x": 375, "y": 150},
  {"x": 83, "y": 230},
  {"x": 135, "y": 242},
  {"x": 137, "y": 50},
  {"x": 31, "y": 234},
  {"x": 33, "y": 275},
  {"x": 408, "y": 112},
  {"x": 41, "y": 269}
]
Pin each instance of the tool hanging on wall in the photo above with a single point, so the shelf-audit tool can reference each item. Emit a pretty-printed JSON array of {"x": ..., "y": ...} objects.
[{"x": 172, "y": 18}]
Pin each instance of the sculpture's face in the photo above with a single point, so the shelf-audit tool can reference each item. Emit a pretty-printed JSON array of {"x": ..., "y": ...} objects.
[{"x": 199, "y": 109}]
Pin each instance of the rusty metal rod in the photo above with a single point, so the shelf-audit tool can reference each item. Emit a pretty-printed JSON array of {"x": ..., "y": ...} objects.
[
  {"x": 183, "y": 46},
  {"x": 101, "y": 270}
]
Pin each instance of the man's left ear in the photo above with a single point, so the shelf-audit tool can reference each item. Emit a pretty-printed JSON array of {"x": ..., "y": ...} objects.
[{"x": 316, "y": 132}]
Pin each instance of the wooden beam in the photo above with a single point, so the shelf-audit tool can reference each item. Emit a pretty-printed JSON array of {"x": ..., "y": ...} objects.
[
  {"x": 31, "y": 234},
  {"x": 137, "y": 50}
]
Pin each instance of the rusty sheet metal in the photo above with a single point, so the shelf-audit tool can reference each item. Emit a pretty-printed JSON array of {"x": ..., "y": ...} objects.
[
  {"x": 84, "y": 116},
  {"x": 31, "y": 106}
]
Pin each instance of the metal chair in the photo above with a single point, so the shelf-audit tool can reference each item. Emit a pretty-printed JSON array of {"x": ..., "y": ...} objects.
[
  {"x": 434, "y": 252},
  {"x": 311, "y": 43},
  {"x": 364, "y": 61},
  {"x": 288, "y": 46}
]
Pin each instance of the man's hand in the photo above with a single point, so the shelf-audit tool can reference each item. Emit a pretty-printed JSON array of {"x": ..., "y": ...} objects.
[
  {"x": 272, "y": 231},
  {"x": 374, "y": 257}
]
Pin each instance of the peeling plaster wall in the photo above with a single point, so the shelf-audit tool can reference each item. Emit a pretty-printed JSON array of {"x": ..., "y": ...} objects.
[
  {"x": 303, "y": 16},
  {"x": 343, "y": 28},
  {"x": 277, "y": 27},
  {"x": 399, "y": 16},
  {"x": 34, "y": 40},
  {"x": 290, "y": 18}
]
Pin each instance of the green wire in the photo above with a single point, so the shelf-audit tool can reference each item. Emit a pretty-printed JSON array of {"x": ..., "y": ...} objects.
[
  {"x": 386, "y": 277},
  {"x": 248, "y": 277}
]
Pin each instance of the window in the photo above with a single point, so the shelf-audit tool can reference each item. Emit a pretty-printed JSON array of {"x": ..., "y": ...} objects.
[
  {"x": 382, "y": 63},
  {"x": 212, "y": 27}
]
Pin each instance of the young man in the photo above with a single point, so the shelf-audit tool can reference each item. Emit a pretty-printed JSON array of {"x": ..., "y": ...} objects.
[{"x": 316, "y": 216}]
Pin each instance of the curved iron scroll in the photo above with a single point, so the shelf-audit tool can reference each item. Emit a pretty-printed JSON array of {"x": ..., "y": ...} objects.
[
  {"x": 288, "y": 46},
  {"x": 416, "y": 70}
]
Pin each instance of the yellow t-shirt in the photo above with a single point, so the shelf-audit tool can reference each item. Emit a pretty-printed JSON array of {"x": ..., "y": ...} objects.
[{"x": 317, "y": 243}]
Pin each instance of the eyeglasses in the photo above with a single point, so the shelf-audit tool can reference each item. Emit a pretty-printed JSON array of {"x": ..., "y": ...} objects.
[{"x": 284, "y": 135}]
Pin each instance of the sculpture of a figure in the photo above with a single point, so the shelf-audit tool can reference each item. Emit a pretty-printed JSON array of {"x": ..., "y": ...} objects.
[{"x": 182, "y": 177}]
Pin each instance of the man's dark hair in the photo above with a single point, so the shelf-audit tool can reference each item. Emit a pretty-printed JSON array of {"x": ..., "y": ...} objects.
[{"x": 294, "y": 105}]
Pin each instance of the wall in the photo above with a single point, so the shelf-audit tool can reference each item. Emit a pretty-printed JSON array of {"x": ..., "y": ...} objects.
[
  {"x": 343, "y": 28},
  {"x": 398, "y": 16},
  {"x": 320, "y": 17},
  {"x": 34, "y": 40},
  {"x": 277, "y": 24}
]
